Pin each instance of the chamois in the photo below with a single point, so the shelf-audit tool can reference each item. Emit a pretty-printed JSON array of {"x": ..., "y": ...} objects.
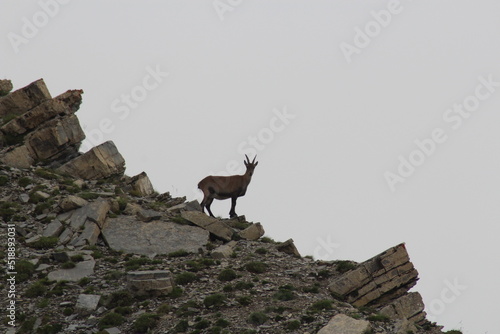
[{"x": 224, "y": 187}]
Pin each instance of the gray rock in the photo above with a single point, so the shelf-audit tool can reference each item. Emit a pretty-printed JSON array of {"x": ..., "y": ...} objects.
[
  {"x": 95, "y": 211},
  {"x": 188, "y": 206},
  {"x": 18, "y": 157},
  {"x": 24, "y": 198},
  {"x": 148, "y": 215},
  {"x": 142, "y": 185},
  {"x": 89, "y": 235},
  {"x": 55, "y": 138},
  {"x": 100, "y": 162},
  {"x": 43, "y": 267},
  {"x": 378, "y": 280},
  {"x": 65, "y": 236},
  {"x": 408, "y": 307},
  {"x": 5, "y": 87},
  {"x": 124, "y": 233},
  {"x": 213, "y": 225},
  {"x": 53, "y": 229},
  {"x": 151, "y": 282},
  {"x": 34, "y": 117},
  {"x": 113, "y": 330},
  {"x": 72, "y": 202},
  {"x": 24, "y": 99},
  {"x": 87, "y": 303},
  {"x": 224, "y": 251},
  {"x": 82, "y": 269},
  {"x": 343, "y": 324},
  {"x": 253, "y": 232},
  {"x": 288, "y": 247}
]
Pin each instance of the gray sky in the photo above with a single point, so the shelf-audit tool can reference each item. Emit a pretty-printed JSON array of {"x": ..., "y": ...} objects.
[{"x": 374, "y": 122}]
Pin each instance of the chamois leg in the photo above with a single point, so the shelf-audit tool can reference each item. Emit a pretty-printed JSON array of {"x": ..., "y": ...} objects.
[
  {"x": 207, "y": 204},
  {"x": 232, "y": 213}
]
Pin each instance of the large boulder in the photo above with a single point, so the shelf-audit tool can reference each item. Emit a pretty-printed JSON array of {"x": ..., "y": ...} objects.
[
  {"x": 126, "y": 234},
  {"x": 378, "y": 280},
  {"x": 55, "y": 138},
  {"x": 24, "y": 99},
  {"x": 100, "y": 162}
]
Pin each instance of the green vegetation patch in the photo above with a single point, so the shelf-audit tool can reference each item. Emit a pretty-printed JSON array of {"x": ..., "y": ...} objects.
[
  {"x": 256, "y": 267},
  {"x": 111, "y": 320},
  {"x": 258, "y": 318},
  {"x": 215, "y": 300},
  {"x": 227, "y": 275},
  {"x": 45, "y": 243},
  {"x": 145, "y": 323},
  {"x": 185, "y": 278}
]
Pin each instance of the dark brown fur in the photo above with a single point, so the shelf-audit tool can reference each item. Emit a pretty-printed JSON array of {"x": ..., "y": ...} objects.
[{"x": 224, "y": 187}]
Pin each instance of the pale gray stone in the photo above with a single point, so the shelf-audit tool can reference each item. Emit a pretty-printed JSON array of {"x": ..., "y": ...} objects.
[
  {"x": 65, "y": 236},
  {"x": 224, "y": 251},
  {"x": 150, "y": 282},
  {"x": 253, "y": 232},
  {"x": 72, "y": 202},
  {"x": 142, "y": 185},
  {"x": 53, "y": 229},
  {"x": 343, "y": 324},
  {"x": 87, "y": 303},
  {"x": 288, "y": 247},
  {"x": 88, "y": 236},
  {"x": 100, "y": 162},
  {"x": 147, "y": 215},
  {"x": 18, "y": 157},
  {"x": 213, "y": 225},
  {"x": 82, "y": 269},
  {"x": 126, "y": 234}
]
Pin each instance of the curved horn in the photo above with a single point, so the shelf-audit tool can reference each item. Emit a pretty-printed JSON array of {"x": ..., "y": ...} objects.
[
  {"x": 248, "y": 160},
  {"x": 253, "y": 161}
]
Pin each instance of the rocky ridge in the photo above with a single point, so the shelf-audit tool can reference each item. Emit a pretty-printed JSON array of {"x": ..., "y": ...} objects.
[{"x": 101, "y": 252}]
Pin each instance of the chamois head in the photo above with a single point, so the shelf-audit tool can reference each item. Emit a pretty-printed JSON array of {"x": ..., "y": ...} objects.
[{"x": 250, "y": 165}]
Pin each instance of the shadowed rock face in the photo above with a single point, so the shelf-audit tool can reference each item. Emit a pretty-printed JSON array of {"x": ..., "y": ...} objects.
[{"x": 130, "y": 236}]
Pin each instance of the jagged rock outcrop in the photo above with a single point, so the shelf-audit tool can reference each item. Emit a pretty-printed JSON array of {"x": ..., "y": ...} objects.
[
  {"x": 383, "y": 282},
  {"x": 378, "y": 280}
]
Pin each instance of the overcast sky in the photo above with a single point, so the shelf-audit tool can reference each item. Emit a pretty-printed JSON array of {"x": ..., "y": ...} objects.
[{"x": 375, "y": 122}]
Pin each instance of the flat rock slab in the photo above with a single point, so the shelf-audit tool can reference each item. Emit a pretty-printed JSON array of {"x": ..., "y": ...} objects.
[
  {"x": 132, "y": 236},
  {"x": 343, "y": 324},
  {"x": 82, "y": 269},
  {"x": 87, "y": 303},
  {"x": 213, "y": 225}
]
